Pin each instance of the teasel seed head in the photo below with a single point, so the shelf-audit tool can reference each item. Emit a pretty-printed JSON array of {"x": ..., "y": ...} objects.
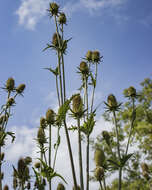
[
  {"x": 43, "y": 122},
  {"x": 132, "y": 91},
  {"x": 41, "y": 136},
  {"x": 96, "y": 56},
  {"x": 3, "y": 119},
  {"x": 84, "y": 68},
  {"x": 20, "y": 88},
  {"x": 60, "y": 187},
  {"x": 6, "y": 187},
  {"x": 106, "y": 137},
  {"x": 99, "y": 173},
  {"x": 28, "y": 160},
  {"x": 99, "y": 157},
  {"x": 89, "y": 56},
  {"x": 62, "y": 18},
  {"x": 2, "y": 155},
  {"x": 144, "y": 167},
  {"x": 10, "y": 84},
  {"x": 145, "y": 175},
  {"x": 37, "y": 165},
  {"x": 77, "y": 188},
  {"x": 77, "y": 105},
  {"x": 15, "y": 183},
  {"x": 28, "y": 185},
  {"x": 112, "y": 102},
  {"x": 21, "y": 166},
  {"x": 10, "y": 102},
  {"x": 54, "y": 9},
  {"x": 50, "y": 116},
  {"x": 55, "y": 40}
]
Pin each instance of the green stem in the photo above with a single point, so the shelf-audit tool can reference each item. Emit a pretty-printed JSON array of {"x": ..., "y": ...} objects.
[
  {"x": 131, "y": 126},
  {"x": 57, "y": 89},
  {"x": 87, "y": 163},
  {"x": 120, "y": 176},
  {"x": 0, "y": 170},
  {"x": 104, "y": 183},
  {"x": 50, "y": 146},
  {"x": 80, "y": 155},
  {"x": 100, "y": 184},
  {"x": 57, "y": 146}
]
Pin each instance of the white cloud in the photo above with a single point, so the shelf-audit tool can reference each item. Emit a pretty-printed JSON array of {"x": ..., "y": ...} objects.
[{"x": 31, "y": 11}]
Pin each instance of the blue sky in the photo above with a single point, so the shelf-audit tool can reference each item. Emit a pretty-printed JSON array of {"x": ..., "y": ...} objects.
[{"x": 120, "y": 29}]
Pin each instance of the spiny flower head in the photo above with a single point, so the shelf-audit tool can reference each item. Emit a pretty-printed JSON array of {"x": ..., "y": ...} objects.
[
  {"x": 84, "y": 67},
  {"x": 50, "y": 116},
  {"x": 99, "y": 157},
  {"x": 43, "y": 122},
  {"x": 60, "y": 187},
  {"x": 99, "y": 173},
  {"x": 96, "y": 56},
  {"x": 106, "y": 136},
  {"x": 10, "y": 102},
  {"x": 89, "y": 56},
  {"x": 62, "y": 19},
  {"x": 132, "y": 91},
  {"x": 54, "y": 9},
  {"x": 20, "y": 88},
  {"x": 41, "y": 136},
  {"x": 10, "y": 84},
  {"x": 37, "y": 165}
]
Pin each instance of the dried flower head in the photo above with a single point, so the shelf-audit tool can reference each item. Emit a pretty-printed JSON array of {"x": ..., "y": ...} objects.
[
  {"x": 99, "y": 173},
  {"x": 132, "y": 91},
  {"x": 37, "y": 165},
  {"x": 10, "y": 84},
  {"x": 43, "y": 122},
  {"x": 99, "y": 157},
  {"x": 41, "y": 136},
  {"x": 55, "y": 40},
  {"x": 28, "y": 160},
  {"x": 6, "y": 187},
  {"x": 62, "y": 19},
  {"x": 50, "y": 116},
  {"x": 54, "y": 9},
  {"x": 21, "y": 166},
  {"x": 77, "y": 105},
  {"x": 20, "y": 88},
  {"x": 10, "y": 102},
  {"x": 84, "y": 68},
  {"x": 106, "y": 137},
  {"x": 96, "y": 56},
  {"x": 89, "y": 56},
  {"x": 60, "y": 187},
  {"x": 112, "y": 102}
]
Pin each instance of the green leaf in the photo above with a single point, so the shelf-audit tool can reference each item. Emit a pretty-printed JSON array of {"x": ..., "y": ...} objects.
[{"x": 125, "y": 158}]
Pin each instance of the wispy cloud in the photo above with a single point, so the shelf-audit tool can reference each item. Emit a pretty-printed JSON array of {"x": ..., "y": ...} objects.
[{"x": 31, "y": 11}]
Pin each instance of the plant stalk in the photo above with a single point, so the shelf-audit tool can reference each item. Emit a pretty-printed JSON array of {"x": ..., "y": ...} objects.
[{"x": 50, "y": 146}]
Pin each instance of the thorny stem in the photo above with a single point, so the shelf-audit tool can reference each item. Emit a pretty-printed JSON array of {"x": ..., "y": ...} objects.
[
  {"x": 80, "y": 155},
  {"x": 118, "y": 149},
  {"x": 131, "y": 125},
  {"x": 65, "y": 126},
  {"x": 50, "y": 153}
]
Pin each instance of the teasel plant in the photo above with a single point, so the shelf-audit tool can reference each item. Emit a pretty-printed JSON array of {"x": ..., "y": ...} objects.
[
  {"x": 5, "y": 113},
  {"x": 60, "y": 46},
  {"x": 119, "y": 160}
]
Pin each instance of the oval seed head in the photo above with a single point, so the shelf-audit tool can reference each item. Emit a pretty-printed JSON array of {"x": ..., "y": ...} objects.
[
  {"x": 131, "y": 91},
  {"x": 28, "y": 160},
  {"x": 37, "y": 165},
  {"x": 60, "y": 187},
  {"x": 55, "y": 40},
  {"x": 42, "y": 122},
  {"x": 41, "y": 136},
  {"x": 10, "y": 84},
  {"x": 29, "y": 185},
  {"x": 6, "y": 187},
  {"x": 77, "y": 104},
  {"x": 54, "y": 9},
  {"x": 96, "y": 56},
  {"x": 15, "y": 184},
  {"x": 2, "y": 156},
  {"x": 20, "y": 88},
  {"x": 106, "y": 136},
  {"x": 89, "y": 56},
  {"x": 112, "y": 102},
  {"x": 62, "y": 19},
  {"x": 144, "y": 167},
  {"x": 10, "y": 102},
  {"x": 21, "y": 166},
  {"x": 50, "y": 116},
  {"x": 99, "y": 173},
  {"x": 77, "y": 188},
  {"x": 99, "y": 157},
  {"x": 84, "y": 67}
]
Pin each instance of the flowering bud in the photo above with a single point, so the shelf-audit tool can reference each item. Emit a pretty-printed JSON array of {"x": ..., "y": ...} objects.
[
  {"x": 84, "y": 67},
  {"x": 106, "y": 136},
  {"x": 112, "y": 102},
  {"x": 37, "y": 165},
  {"x": 20, "y": 88},
  {"x": 50, "y": 116},
  {"x": 89, "y": 56},
  {"x": 62, "y": 19},
  {"x": 131, "y": 91},
  {"x": 41, "y": 136},
  {"x": 99, "y": 157},
  {"x": 28, "y": 160},
  {"x": 10, "y": 83},
  {"x": 2, "y": 156},
  {"x": 10, "y": 102},
  {"x": 99, "y": 173},
  {"x": 54, "y": 9},
  {"x": 60, "y": 187},
  {"x": 96, "y": 56},
  {"x": 6, "y": 187},
  {"x": 77, "y": 104}
]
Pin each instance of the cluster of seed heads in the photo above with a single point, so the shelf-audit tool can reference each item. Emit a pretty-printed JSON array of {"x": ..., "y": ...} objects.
[{"x": 93, "y": 56}]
